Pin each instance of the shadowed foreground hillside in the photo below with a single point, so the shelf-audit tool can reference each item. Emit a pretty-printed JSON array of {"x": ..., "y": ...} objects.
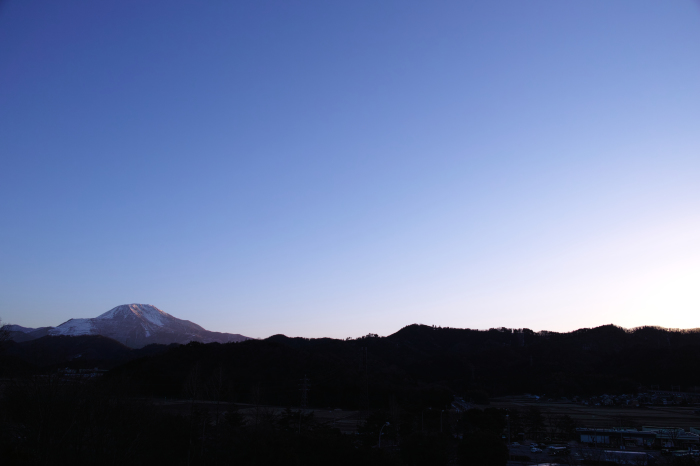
[
  {"x": 403, "y": 384},
  {"x": 84, "y": 351}
]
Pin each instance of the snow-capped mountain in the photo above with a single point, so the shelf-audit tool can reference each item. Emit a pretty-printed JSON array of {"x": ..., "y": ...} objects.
[{"x": 138, "y": 325}]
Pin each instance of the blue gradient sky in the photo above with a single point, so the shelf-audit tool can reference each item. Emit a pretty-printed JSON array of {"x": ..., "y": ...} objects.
[{"x": 338, "y": 168}]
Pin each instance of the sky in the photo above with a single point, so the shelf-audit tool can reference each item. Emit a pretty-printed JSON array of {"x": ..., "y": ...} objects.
[{"x": 331, "y": 169}]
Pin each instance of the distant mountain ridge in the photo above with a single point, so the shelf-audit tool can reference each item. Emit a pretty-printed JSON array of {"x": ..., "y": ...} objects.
[{"x": 134, "y": 325}]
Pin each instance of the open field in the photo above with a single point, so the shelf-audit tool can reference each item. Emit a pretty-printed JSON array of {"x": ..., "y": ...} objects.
[
  {"x": 607, "y": 416},
  {"x": 584, "y": 415}
]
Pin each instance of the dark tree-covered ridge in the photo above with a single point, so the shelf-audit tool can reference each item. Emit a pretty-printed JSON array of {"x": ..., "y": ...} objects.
[{"x": 426, "y": 365}]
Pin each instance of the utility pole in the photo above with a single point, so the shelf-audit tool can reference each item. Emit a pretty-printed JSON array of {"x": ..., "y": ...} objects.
[
  {"x": 508, "y": 421},
  {"x": 380, "y": 435}
]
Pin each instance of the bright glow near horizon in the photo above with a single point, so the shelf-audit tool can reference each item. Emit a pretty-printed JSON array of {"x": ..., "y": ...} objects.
[{"x": 333, "y": 170}]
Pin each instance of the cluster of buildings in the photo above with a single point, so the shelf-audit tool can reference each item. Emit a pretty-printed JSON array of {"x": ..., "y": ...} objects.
[
  {"x": 648, "y": 436},
  {"x": 650, "y": 398},
  {"x": 618, "y": 446},
  {"x": 81, "y": 373}
]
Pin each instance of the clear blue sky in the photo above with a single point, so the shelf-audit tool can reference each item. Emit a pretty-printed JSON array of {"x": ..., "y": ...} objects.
[{"x": 338, "y": 168}]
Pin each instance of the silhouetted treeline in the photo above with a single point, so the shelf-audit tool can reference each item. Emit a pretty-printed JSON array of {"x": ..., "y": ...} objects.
[
  {"x": 420, "y": 365},
  {"x": 51, "y": 352},
  {"x": 425, "y": 366}
]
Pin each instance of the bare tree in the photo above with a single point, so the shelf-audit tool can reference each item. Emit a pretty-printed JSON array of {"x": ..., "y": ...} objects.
[
  {"x": 191, "y": 390},
  {"x": 216, "y": 388},
  {"x": 256, "y": 401},
  {"x": 535, "y": 421},
  {"x": 192, "y": 387},
  {"x": 4, "y": 334},
  {"x": 551, "y": 425},
  {"x": 395, "y": 411},
  {"x": 566, "y": 426}
]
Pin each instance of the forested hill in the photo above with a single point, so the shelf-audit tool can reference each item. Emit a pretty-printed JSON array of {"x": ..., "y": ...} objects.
[{"x": 423, "y": 365}]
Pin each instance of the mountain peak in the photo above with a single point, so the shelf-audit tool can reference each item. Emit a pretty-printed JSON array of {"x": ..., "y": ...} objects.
[
  {"x": 138, "y": 325},
  {"x": 145, "y": 312}
]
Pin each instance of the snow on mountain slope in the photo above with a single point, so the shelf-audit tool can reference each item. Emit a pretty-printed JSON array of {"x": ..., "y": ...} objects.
[
  {"x": 141, "y": 311},
  {"x": 74, "y": 327},
  {"x": 138, "y": 325}
]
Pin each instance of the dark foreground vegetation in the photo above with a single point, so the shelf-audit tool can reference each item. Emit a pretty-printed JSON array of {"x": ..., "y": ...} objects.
[
  {"x": 418, "y": 364},
  {"x": 54, "y": 421},
  {"x": 408, "y": 380},
  {"x": 426, "y": 365}
]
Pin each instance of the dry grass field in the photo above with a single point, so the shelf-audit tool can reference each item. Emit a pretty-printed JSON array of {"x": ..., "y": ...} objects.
[
  {"x": 584, "y": 415},
  {"x": 346, "y": 421},
  {"x": 607, "y": 416}
]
